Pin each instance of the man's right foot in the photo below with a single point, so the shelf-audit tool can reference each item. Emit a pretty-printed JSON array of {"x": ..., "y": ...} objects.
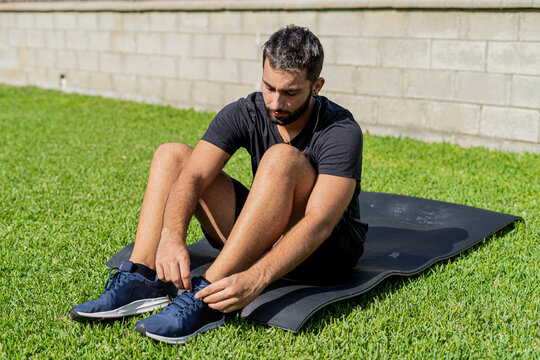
[
  {"x": 184, "y": 318},
  {"x": 126, "y": 293}
]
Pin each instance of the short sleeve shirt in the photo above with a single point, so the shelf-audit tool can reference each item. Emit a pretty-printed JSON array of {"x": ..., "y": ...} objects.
[{"x": 331, "y": 140}]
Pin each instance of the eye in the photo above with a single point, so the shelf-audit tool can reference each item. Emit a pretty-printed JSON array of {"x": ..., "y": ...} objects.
[
  {"x": 267, "y": 86},
  {"x": 290, "y": 93}
]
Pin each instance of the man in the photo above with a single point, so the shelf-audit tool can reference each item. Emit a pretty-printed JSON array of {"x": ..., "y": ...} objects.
[{"x": 301, "y": 216}]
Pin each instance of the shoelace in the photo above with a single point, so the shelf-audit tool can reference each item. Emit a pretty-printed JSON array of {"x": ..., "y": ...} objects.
[
  {"x": 182, "y": 302},
  {"x": 113, "y": 279}
]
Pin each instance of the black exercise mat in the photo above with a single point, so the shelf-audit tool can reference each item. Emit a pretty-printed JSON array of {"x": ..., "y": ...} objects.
[{"x": 406, "y": 235}]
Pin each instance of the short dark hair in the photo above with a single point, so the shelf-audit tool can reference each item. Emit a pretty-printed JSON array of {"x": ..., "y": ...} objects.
[{"x": 295, "y": 48}]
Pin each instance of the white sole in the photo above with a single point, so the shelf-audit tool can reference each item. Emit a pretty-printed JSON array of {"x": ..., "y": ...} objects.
[
  {"x": 135, "y": 307},
  {"x": 184, "y": 339}
]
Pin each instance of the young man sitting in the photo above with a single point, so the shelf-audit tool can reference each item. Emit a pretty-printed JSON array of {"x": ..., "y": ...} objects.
[{"x": 301, "y": 216}]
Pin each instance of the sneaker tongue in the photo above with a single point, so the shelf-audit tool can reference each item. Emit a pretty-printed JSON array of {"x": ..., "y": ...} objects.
[
  {"x": 199, "y": 283},
  {"x": 126, "y": 266}
]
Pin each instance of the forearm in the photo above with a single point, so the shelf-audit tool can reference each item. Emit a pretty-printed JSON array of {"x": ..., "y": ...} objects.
[
  {"x": 202, "y": 168},
  {"x": 181, "y": 204},
  {"x": 172, "y": 257}
]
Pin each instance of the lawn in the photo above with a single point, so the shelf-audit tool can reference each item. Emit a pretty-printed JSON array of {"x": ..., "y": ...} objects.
[{"x": 73, "y": 170}]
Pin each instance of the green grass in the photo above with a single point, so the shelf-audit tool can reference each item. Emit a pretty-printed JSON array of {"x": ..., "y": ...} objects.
[{"x": 72, "y": 175}]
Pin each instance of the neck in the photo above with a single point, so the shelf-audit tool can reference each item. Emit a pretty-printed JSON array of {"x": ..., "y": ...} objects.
[{"x": 288, "y": 132}]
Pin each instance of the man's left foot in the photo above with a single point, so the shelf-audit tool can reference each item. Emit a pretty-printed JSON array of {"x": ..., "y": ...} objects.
[
  {"x": 127, "y": 292},
  {"x": 183, "y": 319}
]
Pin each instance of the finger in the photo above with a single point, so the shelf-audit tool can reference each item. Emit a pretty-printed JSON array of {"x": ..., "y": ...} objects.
[
  {"x": 211, "y": 289},
  {"x": 159, "y": 271},
  {"x": 219, "y": 296},
  {"x": 226, "y": 306},
  {"x": 185, "y": 273},
  {"x": 165, "y": 271},
  {"x": 237, "y": 305},
  {"x": 174, "y": 274}
]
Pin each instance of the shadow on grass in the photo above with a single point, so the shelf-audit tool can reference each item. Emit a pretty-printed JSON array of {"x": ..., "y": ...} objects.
[{"x": 104, "y": 322}]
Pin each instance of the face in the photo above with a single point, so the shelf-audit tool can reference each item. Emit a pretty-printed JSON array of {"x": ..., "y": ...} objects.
[{"x": 287, "y": 95}]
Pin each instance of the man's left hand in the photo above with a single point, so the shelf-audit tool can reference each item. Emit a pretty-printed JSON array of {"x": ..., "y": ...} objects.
[{"x": 232, "y": 292}]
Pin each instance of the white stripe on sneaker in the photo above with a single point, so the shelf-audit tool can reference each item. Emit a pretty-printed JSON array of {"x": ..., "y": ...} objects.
[
  {"x": 184, "y": 339},
  {"x": 135, "y": 307}
]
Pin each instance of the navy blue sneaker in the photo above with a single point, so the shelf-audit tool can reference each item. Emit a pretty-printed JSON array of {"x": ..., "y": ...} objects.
[
  {"x": 184, "y": 318},
  {"x": 126, "y": 293}
]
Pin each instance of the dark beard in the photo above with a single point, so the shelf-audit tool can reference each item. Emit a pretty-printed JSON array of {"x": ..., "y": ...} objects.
[{"x": 293, "y": 116}]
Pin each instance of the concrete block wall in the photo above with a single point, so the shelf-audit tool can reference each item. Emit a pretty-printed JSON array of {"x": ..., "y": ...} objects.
[
  {"x": 471, "y": 77},
  {"x": 467, "y": 76}
]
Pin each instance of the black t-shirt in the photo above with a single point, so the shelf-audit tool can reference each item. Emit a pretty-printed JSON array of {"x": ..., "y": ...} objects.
[{"x": 333, "y": 144}]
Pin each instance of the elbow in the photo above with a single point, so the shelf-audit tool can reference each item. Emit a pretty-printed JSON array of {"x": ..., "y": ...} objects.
[
  {"x": 324, "y": 229},
  {"x": 328, "y": 231},
  {"x": 321, "y": 224}
]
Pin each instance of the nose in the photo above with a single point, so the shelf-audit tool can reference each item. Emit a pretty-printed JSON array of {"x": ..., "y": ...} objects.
[{"x": 277, "y": 101}]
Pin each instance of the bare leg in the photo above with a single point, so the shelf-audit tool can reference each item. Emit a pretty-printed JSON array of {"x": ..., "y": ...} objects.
[
  {"x": 215, "y": 210},
  {"x": 277, "y": 200}
]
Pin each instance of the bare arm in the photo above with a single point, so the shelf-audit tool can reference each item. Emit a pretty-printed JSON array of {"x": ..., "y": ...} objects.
[
  {"x": 172, "y": 257},
  {"x": 330, "y": 197}
]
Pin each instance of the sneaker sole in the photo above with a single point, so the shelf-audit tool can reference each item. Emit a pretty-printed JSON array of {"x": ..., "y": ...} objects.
[
  {"x": 184, "y": 339},
  {"x": 135, "y": 307}
]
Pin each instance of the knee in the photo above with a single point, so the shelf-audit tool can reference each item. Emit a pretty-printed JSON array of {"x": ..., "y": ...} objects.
[
  {"x": 283, "y": 158},
  {"x": 172, "y": 153}
]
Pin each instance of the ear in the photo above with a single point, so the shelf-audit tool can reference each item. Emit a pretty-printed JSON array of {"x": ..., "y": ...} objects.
[{"x": 317, "y": 86}]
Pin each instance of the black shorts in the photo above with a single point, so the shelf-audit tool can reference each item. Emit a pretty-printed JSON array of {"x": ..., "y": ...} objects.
[{"x": 334, "y": 259}]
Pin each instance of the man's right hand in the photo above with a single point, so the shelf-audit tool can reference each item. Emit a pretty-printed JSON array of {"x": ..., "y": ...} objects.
[{"x": 172, "y": 261}]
